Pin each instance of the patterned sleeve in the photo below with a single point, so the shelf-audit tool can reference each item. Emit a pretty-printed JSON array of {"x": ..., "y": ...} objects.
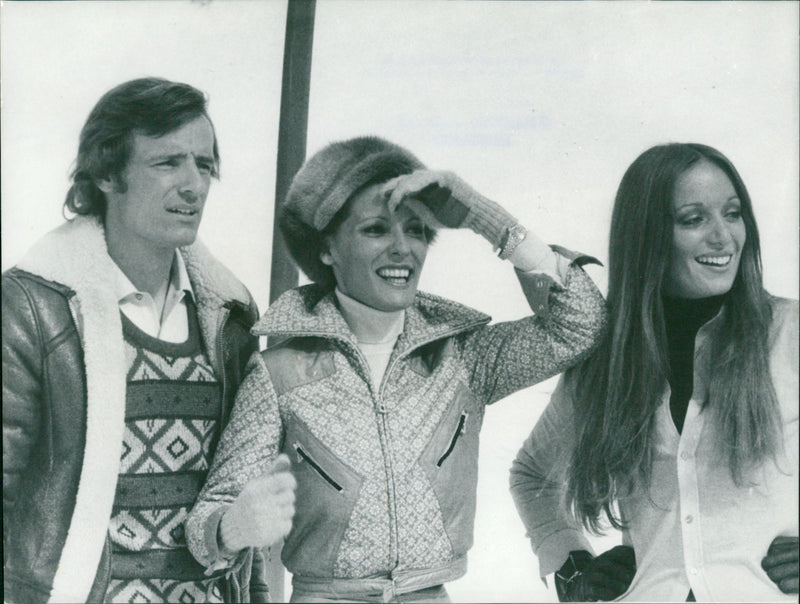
[
  {"x": 505, "y": 357},
  {"x": 248, "y": 445},
  {"x": 537, "y": 485}
]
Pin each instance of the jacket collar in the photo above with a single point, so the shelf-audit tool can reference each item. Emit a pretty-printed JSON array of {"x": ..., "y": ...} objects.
[
  {"x": 309, "y": 311},
  {"x": 75, "y": 255}
]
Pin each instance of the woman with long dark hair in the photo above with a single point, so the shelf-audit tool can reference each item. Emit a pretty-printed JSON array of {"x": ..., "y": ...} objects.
[{"x": 681, "y": 428}]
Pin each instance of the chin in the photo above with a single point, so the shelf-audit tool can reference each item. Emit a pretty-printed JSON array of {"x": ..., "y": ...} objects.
[
  {"x": 716, "y": 289},
  {"x": 184, "y": 240},
  {"x": 704, "y": 292},
  {"x": 398, "y": 303}
]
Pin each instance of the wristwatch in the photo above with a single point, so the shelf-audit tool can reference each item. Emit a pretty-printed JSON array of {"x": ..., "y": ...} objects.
[{"x": 515, "y": 235}]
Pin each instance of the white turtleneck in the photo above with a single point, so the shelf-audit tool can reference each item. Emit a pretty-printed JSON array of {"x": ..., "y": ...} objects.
[{"x": 376, "y": 332}]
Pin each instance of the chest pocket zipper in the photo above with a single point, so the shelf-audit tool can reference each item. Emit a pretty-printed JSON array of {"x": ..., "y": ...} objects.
[
  {"x": 462, "y": 424},
  {"x": 305, "y": 456}
]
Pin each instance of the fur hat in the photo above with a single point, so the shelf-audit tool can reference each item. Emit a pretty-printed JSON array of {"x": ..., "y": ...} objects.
[
  {"x": 334, "y": 174},
  {"x": 324, "y": 184}
]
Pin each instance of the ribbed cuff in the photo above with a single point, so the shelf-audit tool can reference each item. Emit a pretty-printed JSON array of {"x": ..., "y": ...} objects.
[{"x": 490, "y": 220}]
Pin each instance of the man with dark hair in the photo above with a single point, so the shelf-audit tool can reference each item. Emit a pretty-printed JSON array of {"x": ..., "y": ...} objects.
[{"x": 124, "y": 341}]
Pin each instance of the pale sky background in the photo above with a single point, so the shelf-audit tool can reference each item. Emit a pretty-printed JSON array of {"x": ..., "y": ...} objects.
[{"x": 539, "y": 105}]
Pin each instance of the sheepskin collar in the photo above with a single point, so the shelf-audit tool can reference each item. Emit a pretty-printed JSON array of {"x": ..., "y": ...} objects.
[
  {"x": 75, "y": 253},
  {"x": 309, "y": 311}
]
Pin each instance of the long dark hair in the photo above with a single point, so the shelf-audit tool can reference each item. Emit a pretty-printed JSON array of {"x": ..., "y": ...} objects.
[{"x": 618, "y": 389}]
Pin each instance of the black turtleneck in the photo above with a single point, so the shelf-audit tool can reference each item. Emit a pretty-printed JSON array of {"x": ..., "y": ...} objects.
[{"x": 684, "y": 318}]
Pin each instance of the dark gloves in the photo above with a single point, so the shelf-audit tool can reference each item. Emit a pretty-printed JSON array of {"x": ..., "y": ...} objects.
[
  {"x": 781, "y": 563},
  {"x": 584, "y": 578}
]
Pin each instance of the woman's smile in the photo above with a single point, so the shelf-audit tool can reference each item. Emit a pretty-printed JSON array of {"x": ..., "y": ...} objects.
[
  {"x": 715, "y": 261},
  {"x": 396, "y": 276}
]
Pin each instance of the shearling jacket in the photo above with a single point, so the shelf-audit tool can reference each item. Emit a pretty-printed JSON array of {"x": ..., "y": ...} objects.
[
  {"x": 64, "y": 381},
  {"x": 385, "y": 502}
]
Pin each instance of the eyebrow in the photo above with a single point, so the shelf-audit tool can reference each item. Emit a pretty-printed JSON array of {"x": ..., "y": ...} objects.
[
  {"x": 167, "y": 156},
  {"x": 691, "y": 204},
  {"x": 371, "y": 218}
]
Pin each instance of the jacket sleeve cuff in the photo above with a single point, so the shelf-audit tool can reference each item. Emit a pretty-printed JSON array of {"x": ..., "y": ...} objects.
[
  {"x": 537, "y": 284},
  {"x": 218, "y": 558},
  {"x": 553, "y": 551},
  {"x": 576, "y": 258}
]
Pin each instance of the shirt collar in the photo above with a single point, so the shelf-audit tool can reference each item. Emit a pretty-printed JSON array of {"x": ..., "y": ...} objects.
[
  {"x": 179, "y": 284},
  {"x": 182, "y": 283}
]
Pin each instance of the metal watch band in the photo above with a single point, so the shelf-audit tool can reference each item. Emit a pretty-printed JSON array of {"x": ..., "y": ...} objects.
[{"x": 515, "y": 235}]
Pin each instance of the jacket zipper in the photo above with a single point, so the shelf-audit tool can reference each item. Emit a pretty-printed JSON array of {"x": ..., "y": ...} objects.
[
  {"x": 462, "y": 422},
  {"x": 383, "y": 412},
  {"x": 302, "y": 454}
]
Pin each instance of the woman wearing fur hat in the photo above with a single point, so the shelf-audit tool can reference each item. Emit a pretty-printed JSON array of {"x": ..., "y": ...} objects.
[{"x": 374, "y": 398}]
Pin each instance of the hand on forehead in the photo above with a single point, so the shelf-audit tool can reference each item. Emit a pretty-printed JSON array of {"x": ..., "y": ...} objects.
[{"x": 437, "y": 197}]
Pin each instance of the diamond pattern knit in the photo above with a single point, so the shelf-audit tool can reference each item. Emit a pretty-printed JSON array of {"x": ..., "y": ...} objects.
[{"x": 171, "y": 415}]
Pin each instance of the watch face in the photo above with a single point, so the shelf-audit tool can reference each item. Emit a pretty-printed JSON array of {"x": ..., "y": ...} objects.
[{"x": 515, "y": 235}]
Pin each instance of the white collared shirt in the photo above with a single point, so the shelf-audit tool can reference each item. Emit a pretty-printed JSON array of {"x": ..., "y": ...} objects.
[
  {"x": 694, "y": 528},
  {"x": 171, "y": 325}
]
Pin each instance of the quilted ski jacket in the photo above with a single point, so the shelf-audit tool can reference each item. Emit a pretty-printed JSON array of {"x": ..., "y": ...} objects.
[{"x": 386, "y": 476}]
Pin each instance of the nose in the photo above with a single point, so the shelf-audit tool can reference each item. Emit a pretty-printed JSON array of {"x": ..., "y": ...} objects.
[
  {"x": 720, "y": 234},
  {"x": 399, "y": 245},
  {"x": 193, "y": 182}
]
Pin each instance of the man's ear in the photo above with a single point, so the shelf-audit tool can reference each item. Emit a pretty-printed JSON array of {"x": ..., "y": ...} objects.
[
  {"x": 106, "y": 185},
  {"x": 325, "y": 255}
]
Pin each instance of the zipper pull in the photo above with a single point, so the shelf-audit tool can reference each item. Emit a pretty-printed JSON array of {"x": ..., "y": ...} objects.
[{"x": 465, "y": 416}]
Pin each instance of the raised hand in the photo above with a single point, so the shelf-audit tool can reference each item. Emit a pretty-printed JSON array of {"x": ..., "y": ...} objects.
[
  {"x": 585, "y": 578},
  {"x": 263, "y": 511},
  {"x": 782, "y": 563},
  {"x": 442, "y": 199}
]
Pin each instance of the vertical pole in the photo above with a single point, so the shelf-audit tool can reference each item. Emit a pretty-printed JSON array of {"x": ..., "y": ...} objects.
[{"x": 292, "y": 129}]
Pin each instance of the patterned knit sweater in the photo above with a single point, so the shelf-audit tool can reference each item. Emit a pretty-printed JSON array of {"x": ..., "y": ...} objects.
[{"x": 171, "y": 423}]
